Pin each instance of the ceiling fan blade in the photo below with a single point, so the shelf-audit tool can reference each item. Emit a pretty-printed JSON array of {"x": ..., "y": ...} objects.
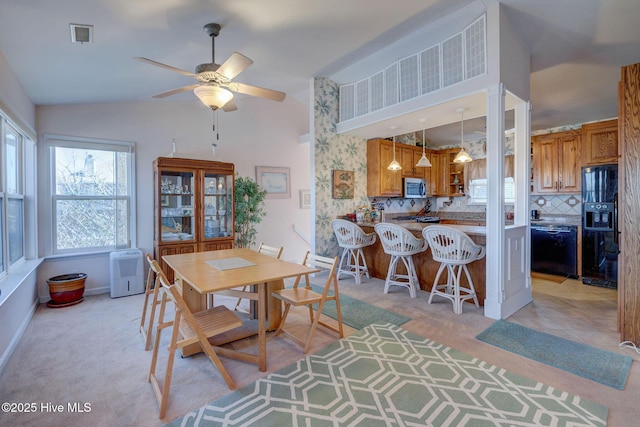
[
  {"x": 165, "y": 66},
  {"x": 230, "y": 106},
  {"x": 274, "y": 95},
  {"x": 233, "y": 66},
  {"x": 174, "y": 91}
]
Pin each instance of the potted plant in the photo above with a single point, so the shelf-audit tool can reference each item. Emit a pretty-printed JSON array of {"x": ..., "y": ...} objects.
[{"x": 249, "y": 198}]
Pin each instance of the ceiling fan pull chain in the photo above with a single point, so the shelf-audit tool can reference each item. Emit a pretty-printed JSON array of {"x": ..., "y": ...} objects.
[{"x": 215, "y": 124}]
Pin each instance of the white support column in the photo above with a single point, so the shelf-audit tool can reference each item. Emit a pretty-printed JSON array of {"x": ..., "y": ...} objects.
[
  {"x": 495, "y": 202},
  {"x": 522, "y": 155}
]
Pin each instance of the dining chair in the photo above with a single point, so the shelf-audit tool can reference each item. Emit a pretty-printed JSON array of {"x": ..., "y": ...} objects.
[
  {"x": 305, "y": 295},
  {"x": 401, "y": 244},
  {"x": 351, "y": 238},
  {"x": 150, "y": 294},
  {"x": 454, "y": 250},
  {"x": 267, "y": 250},
  {"x": 188, "y": 328}
]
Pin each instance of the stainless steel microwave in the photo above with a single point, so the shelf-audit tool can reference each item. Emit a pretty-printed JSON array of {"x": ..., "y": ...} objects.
[{"x": 414, "y": 188}]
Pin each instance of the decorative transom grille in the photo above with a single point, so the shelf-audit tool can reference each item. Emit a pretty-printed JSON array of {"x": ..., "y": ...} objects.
[{"x": 458, "y": 58}]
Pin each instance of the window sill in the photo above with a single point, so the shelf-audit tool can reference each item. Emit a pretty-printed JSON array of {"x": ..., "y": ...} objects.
[
  {"x": 78, "y": 255},
  {"x": 16, "y": 277}
]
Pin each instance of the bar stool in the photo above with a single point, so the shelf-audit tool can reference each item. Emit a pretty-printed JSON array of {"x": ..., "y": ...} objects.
[
  {"x": 454, "y": 250},
  {"x": 352, "y": 239},
  {"x": 401, "y": 245}
]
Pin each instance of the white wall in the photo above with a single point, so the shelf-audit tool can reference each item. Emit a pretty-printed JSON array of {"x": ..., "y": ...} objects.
[
  {"x": 18, "y": 297},
  {"x": 260, "y": 133}
]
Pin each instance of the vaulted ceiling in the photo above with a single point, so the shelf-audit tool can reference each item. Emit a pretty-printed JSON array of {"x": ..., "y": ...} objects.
[{"x": 577, "y": 46}]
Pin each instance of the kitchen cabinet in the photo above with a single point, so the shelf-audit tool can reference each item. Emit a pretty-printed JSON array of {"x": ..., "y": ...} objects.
[
  {"x": 600, "y": 143},
  {"x": 629, "y": 204},
  {"x": 557, "y": 162},
  {"x": 456, "y": 176},
  {"x": 439, "y": 183},
  {"x": 193, "y": 207},
  {"x": 410, "y": 156},
  {"x": 382, "y": 182}
]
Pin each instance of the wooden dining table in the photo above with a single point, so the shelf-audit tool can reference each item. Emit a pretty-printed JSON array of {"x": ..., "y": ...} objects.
[{"x": 200, "y": 274}]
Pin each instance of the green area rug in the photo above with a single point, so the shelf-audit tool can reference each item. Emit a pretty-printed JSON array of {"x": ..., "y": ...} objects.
[
  {"x": 357, "y": 313},
  {"x": 588, "y": 362},
  {"x": 384, "y": 375}
]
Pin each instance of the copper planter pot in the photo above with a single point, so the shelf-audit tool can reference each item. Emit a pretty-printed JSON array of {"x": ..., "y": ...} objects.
[{"x": 66, "y": 290}]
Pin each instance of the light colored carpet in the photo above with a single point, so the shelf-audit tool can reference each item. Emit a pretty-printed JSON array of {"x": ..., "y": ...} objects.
[
  {"x": 93, "y": 353},
  {"x": 384, "y": 375}
]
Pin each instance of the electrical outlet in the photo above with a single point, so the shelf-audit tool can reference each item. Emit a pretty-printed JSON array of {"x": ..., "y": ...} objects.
[{"x": 548, "y": 203}]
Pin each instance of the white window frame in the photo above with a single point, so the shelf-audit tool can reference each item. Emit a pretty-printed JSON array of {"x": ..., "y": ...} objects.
[
  {"x": 53, "y": 141},
  {"x": 478, "y": 187},
  {"x": 9, "y": 194}
]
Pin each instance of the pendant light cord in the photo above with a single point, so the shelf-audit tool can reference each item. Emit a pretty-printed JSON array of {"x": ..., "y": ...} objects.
[{"x": 462, "y": 129}]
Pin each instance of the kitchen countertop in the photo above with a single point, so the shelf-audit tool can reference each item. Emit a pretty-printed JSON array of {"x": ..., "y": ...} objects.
[{"x": 476, "y": 230}]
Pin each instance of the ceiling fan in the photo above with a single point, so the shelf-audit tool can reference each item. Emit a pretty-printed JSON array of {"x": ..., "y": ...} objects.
[{"x": 215, "y": 85}]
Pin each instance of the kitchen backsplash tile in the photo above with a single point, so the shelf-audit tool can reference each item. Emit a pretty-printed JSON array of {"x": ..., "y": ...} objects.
[{"x": 547, "y": 205}]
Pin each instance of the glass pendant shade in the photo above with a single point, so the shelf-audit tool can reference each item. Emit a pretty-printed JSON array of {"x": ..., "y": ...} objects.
[
  {"x": 462, "y": 156},
  {"x": 394, "y": 165},
  {"x": 423, "y": 162},
  {"x": 213, "y": 97}
]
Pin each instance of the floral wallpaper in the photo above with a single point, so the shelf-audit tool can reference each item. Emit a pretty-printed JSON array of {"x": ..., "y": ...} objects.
[{"x": 333, "y": 151}]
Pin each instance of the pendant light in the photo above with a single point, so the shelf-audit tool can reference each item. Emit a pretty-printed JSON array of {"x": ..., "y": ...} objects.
[
  {"x": 394, "y": 165},
  {"x": 462, "y": 156},
  {"x": 423, "y": 162}
]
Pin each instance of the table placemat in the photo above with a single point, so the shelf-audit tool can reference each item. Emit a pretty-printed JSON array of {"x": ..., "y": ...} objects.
[{"x": 230, "y": 263}]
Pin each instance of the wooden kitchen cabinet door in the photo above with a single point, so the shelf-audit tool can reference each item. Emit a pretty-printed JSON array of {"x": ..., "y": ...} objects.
[
  {"x": 410, "y": 156},
  {"x": 557, "y": 163},
  {"x": 439, "y": 183},
  {"x": 570, "y": 171},
  {"x": 600, "y": 143},
  {"x": 382, "y": 182}
]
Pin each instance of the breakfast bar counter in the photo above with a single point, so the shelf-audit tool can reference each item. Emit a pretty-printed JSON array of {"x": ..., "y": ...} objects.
[{"x": 426, "y": 267}]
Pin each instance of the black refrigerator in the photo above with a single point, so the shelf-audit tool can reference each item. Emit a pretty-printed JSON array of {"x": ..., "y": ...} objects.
[{"x": 600, "y": 226}]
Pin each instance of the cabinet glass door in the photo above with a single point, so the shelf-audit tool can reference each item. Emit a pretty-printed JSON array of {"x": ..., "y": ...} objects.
[
  {"x": 218, "y": 205},
  {"x": 176, "y": 206}
]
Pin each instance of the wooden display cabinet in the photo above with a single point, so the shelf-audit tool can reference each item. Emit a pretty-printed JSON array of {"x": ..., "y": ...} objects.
[{"x": 193, "y": 207}]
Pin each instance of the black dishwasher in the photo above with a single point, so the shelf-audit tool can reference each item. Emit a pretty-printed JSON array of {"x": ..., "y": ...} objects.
[{"x": 554, "y": 249}]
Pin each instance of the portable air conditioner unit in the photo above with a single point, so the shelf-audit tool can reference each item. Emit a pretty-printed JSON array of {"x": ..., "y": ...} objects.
[{"x": 126, "y": 271}]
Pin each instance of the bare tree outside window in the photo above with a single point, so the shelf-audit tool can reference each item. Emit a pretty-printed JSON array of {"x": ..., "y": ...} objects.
[{"x": 91, "y": 199}]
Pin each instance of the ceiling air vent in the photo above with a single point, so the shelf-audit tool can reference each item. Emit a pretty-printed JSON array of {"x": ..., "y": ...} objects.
[{"x": 81, "y": 33}]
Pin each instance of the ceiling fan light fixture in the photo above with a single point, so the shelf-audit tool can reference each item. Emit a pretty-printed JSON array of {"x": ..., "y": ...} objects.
[{"x": 213, "y": 97}]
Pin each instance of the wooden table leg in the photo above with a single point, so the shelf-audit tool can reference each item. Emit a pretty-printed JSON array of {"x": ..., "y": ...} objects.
[
  {"x": 263, "y": 295},
  {"x": 275, "y": 305}
]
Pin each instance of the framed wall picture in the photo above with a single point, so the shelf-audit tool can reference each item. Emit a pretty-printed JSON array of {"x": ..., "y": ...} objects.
[
  {"x": 343, "y": 185},
  {"x": 275, "y": 181},
  {"x": 305, "y": 199}
]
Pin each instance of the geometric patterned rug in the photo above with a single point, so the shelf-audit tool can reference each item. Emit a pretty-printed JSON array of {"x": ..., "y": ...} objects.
[
  {"x": 384, "y": 375},
  {"x": 594, "y": 364}
]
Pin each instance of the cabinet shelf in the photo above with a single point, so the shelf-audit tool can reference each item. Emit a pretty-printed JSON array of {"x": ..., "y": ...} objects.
[{"x": 193, "y": 205}]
